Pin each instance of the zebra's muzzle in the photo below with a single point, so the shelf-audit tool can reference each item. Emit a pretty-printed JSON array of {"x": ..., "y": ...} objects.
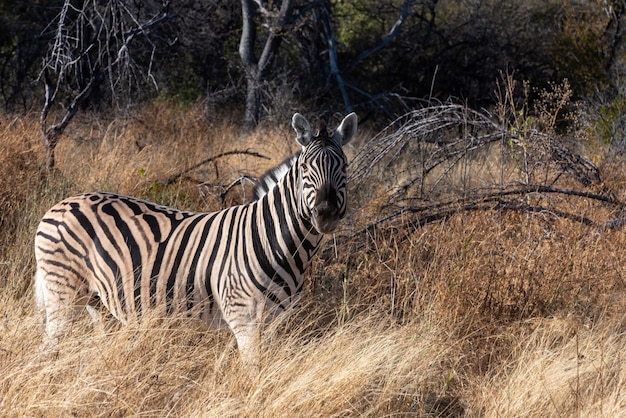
[{"x": 325, "y": 217}]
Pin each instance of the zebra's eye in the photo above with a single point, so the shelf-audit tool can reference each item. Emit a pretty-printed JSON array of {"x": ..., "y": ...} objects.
[{"x": 305, "y": 168}]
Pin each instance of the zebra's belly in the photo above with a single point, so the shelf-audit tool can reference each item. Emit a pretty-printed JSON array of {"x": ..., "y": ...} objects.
[{"x": 199, "y": 307}]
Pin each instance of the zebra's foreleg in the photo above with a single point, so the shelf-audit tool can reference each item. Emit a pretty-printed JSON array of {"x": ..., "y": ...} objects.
[
  {"x": 96, "y": 318},
  {"x": 244, "y": 320},
  {"x": 248, "y": 338}
]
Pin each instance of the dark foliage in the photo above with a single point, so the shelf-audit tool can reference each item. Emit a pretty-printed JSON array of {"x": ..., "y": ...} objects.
[{"x": 336, "y": 55}]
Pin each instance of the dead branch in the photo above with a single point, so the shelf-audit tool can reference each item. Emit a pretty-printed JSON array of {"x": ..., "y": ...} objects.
[
  {"x": 176, "y": 176},
  {"x": 426, "y": 125},
  {"x": 91, "y": 45},
  {"x": 411, "y": 168},
  {"x": 220, "y": 191},
  {"x": 51, "y": 134},
  {"x": 612, "y": 224},
  {"x": 495, "y": 200}
]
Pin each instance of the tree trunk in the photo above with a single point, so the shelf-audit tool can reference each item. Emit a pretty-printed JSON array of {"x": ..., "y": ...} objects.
[
  {"x": 249, "y": 61},
  {"x": 253, "y": 104},
  {"x": 256, "y": 70}
]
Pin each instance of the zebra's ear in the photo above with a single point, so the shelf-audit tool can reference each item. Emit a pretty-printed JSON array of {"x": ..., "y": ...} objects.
[
  {"x": 346, "y": 129},
  {"x": 302, "y": 128}
]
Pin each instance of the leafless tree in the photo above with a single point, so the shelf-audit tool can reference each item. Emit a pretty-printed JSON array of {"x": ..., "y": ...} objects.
[
  {"x": 256, "y": 68},
  {"x": 279, "y": 19},
  {"x": 92, "y": 49}
]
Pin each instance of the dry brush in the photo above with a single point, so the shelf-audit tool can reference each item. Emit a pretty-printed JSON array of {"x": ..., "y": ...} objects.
[{"x": 478, "y": 274}]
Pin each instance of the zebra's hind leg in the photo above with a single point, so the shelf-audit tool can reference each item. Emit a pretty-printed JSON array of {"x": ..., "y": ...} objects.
[{"x": 58, "y": 305}]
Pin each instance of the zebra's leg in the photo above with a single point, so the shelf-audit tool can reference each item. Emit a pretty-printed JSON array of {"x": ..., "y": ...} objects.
[
  {"x": 96, "y": 317},
  {"x": 40, "y": 297},
  {"x": 59, "y": 304},
  {"x": 47, "y": 305},
  {"x": 244, "y": 321},
  {"x": 248, "y": 338}
]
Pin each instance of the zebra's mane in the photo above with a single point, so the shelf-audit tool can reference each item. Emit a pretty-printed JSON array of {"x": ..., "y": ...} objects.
[{"x": 270, "y": 179}]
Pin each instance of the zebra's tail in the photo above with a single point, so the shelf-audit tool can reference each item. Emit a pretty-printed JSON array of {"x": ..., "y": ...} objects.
[{"x": 40, "y": 298}]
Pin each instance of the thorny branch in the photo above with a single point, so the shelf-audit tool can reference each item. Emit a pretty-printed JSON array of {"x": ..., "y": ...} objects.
[{"x": 433, "y": 153}]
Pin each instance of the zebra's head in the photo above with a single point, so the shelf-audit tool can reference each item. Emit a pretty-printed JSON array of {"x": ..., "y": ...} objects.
[{"x": 322, "y": 171}]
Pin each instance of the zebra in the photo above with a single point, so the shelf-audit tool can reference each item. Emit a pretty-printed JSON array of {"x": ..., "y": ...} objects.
[{"x": 235, "y": 268}]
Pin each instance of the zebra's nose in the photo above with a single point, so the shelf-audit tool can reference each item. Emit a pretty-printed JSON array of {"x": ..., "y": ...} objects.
[
  {"x": 326, "y": 210},
  {"x": 325, "y": 217},
  {"x": 326, "y": 203}
]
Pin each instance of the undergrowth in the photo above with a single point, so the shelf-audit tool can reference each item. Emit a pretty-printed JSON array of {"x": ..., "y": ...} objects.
[{"x": 481, "y": 313}]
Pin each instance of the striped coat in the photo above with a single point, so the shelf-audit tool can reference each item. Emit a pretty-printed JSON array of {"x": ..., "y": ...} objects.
[{"x": 228, "y": 268}]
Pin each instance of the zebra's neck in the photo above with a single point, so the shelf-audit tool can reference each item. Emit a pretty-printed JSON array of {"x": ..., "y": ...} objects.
[{"x": 297, "y": 232}]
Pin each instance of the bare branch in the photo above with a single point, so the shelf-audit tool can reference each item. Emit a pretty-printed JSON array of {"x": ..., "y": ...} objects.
[
  {"x": 393, "y": 32},
  {"x": 433, "y": 153},
  {"x": 91, "y": 46},
  {"x": 175, "y": 177},
  {"x": 220, "y": 191}
]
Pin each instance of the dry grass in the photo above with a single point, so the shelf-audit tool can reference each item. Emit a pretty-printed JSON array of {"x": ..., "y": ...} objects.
[
  {"x": 483, "y": 314},
  {"x": 560, "y": 368}
]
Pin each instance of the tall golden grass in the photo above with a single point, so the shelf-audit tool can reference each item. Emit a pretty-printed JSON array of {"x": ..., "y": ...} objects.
[{"x": 482, "y": 314}]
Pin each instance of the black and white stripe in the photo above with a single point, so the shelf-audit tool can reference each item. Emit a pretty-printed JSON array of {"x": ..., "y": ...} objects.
[
  {"x": 226, "y": 268},
  {"x": 271, "y": 178}
]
